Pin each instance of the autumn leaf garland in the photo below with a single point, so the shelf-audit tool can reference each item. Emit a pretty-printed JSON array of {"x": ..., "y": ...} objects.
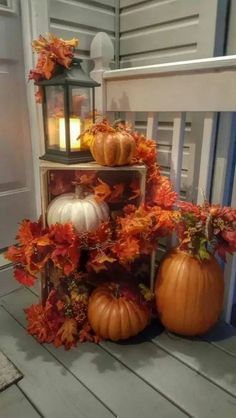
[{"x": 122, "y": 240}]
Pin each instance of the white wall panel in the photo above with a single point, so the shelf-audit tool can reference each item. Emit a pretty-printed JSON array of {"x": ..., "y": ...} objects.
[
  {"x": 153, "y": 32},
  {"x": 82, "y": 19}
]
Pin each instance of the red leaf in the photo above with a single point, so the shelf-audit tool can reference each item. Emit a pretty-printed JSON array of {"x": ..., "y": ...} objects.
[
  {"x": 230, "y": 237},
  {"x": 62, "y": 234},
  {"x": 14, "y": 254},
  {"x": 24, "y": 277},
  {"x": 28, "y": 231},
  {"x": 61, "y": 182}
]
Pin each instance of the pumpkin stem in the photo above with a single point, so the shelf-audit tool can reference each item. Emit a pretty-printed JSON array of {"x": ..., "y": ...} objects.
[
  {"x": 79, "y": 192},
  {"x": 117, "y": 293},
  {"x": 208, "y": 227}
]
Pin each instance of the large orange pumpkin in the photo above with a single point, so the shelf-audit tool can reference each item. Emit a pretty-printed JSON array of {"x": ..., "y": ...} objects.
[
  {"x": 113, "y": 148},
  {"x": 113, "y": 315},
  {"x": 189, "y": 293}
]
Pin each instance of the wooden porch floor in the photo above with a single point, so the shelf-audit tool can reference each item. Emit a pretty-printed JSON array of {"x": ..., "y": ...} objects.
[{"x": 157, "y": 375}]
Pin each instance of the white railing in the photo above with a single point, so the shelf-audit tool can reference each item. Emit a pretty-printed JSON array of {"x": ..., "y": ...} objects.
[{"x": 204, "y": 85}]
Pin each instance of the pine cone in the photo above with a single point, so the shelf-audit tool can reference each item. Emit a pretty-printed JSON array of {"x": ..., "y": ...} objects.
[{"x": 80, "y": 310}]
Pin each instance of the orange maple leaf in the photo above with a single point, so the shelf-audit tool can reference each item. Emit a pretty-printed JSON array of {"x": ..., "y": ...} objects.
[
  {"x": 44, "y": 321},
  {"x": 135, "y": 223},
  {"x": 164, "y": 195},
  {"x": 38, "y": 324},
  {"x": 86, "y": 334},
  {"x": 146, "y": 150},
  {"x": 86, "y": 179},
  {"x": 45, "y": 67},
  {"x": 135, "y": 187},
  {"x": 99, "y": 260},
  {"x": 117, "y": 192},
  {"x": 102, "y": 192},
  {"x": 36, "y": 255},
  {"x": 28, "y": 231},
  {"x": 66, "y": 256},
  {"x": 67, "y": 334},
  {"x": 127, "y": 250},
  {"x": 24, "y": 233}
]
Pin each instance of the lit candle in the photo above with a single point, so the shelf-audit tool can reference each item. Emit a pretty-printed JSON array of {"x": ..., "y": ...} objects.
[{"x": 74, "y": 133}]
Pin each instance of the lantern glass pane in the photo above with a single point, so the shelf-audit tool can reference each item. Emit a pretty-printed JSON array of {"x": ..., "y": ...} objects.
[
  {"x": 81, "y": 116},
  {"x": 55, "y": 114}
]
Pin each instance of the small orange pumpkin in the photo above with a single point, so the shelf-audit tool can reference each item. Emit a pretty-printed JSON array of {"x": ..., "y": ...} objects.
[
  {"x": 114, "y": 315},
  {"x": 113, "y": 148},
  {"x": 189, "y": 293}
]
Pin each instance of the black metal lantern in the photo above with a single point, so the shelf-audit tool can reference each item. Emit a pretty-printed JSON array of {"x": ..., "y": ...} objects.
[{"x": 68, "y": 110}]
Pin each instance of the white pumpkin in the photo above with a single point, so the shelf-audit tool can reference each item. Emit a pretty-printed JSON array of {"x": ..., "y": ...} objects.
[{"x": 83, "y": 212}]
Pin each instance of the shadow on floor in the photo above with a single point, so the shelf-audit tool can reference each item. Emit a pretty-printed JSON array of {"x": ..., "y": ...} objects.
[{"x": 91, "y": 359}]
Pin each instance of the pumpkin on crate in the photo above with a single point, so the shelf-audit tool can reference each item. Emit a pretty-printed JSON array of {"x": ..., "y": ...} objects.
[
  {"x": 111, "y": 145},
  {"x": 189, "y": 292},
  {"x": 113, "y": 149},
  {"x": 117, "y": 312},
  {"x": 79, "y": 209}
]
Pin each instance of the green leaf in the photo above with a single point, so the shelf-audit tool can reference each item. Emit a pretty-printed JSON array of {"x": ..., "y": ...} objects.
[{"x": 202, "y": 252}]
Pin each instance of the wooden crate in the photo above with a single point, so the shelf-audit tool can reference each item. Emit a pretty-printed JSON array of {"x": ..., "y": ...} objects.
[
  {"x": 109, "y": 174},
  {"x": 112, "y": 175}
]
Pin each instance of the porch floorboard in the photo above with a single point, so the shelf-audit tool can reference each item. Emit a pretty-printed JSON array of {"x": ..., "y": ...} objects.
[{"x": 156, "y": 374}]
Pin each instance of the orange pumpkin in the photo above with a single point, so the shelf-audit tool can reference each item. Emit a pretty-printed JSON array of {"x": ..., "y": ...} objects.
[
  {"x": 113, "y": 315},
  {"x": 113, "y": 148},
  {"x": 189, "y": 293}
]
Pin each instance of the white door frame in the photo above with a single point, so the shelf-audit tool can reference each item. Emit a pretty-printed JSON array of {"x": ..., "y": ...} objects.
[{"x": 35, "y": 22}]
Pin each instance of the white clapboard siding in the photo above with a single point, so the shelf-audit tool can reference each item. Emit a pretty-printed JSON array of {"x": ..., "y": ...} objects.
[
  {"x": 82, "y": 19},
  {"x": 153, "y": 32}
]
